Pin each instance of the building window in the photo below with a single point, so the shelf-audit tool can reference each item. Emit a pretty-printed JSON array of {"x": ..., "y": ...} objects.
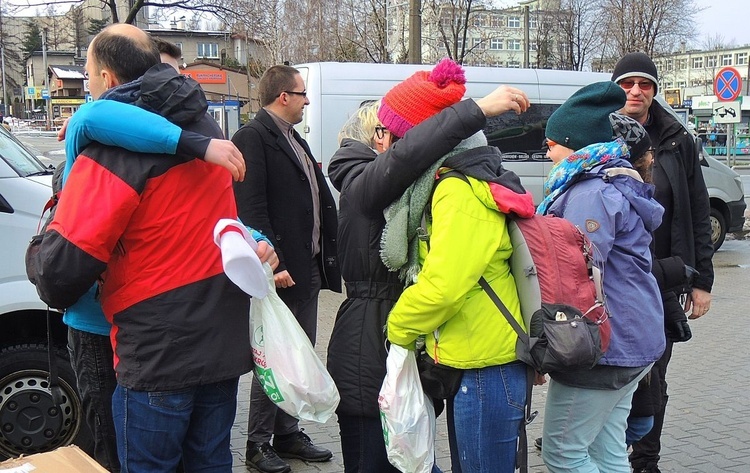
[
  {"x": 740, "y": 59},
  {"x": 514, "y": 44},
  {"x": 697, "y": 63},
  {"x": 477, "y": 43},
  {"x": 496, "y": 44},
  {"x": 533, "y": 22},
  {"x": 681, "y": 84},
  {"x": 208, "y": 50},
  {"x": 179, "y": 45},
  {"x": 496, "y": 21},
  {"x": 670, "y": 65},
  {"x": 513, "y": 64},
  {"x": 681, "y": 64},
  {"x": 726, "y": 59},
  {"x": 710, "y": 61},
  {"x": 533, "y": 46},
  {"x": 514, "y": 21}
]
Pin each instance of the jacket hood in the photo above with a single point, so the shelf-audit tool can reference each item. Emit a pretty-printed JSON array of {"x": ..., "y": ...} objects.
[
  {"x": 485, "y": 163},
  {"x": 351, "y": 154},
  {"x": 639, "y": 194},
  {"x": 177, "y": 98}
]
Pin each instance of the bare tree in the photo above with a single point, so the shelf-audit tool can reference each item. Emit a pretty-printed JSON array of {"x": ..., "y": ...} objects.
[
  {"x": 651, "y": 26},
  {"x": 577, "y": 28},
  {"x": 453, "y": 20}
]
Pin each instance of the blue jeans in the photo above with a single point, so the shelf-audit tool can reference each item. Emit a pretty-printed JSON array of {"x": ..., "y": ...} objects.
[
  {"x": 637, "y": 428},
  {"x": 92, "y": 361},
  {"x": 584, "y": 429},
  {"x": 156, "y": 429},
  {"x": 487, "y": 412}
]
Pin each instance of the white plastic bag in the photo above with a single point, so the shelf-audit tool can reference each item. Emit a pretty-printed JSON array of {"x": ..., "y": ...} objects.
[
  {"x": 286, "y": 364},
  {"x": 407, "y": 414}
]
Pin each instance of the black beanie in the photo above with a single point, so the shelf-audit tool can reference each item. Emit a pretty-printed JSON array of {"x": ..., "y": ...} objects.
[
  {"x": 636, "y": 65},
  {"x": 632, "y": 133},
  {"x": 584, "y": 118}
]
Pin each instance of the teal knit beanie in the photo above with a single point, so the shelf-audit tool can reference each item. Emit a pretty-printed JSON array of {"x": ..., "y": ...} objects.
[{"x": 584, "y": 118}]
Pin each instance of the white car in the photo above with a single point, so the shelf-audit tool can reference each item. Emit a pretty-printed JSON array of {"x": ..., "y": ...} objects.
[{"x": 30, "y": 421}]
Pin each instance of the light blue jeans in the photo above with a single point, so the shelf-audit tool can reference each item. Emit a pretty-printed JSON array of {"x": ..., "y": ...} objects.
[
  {"x": 487, "y": 412},
  {"x": 584, "y": 429}
]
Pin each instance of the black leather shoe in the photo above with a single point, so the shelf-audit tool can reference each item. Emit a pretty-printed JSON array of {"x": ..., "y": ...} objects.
[
  {"x": 299, "y": 445},
  {"x": 264, "y": 458},
  {"x": 538, "y": 443}
]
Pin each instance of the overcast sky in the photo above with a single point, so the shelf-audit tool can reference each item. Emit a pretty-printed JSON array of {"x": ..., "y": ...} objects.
[{"x": 728, "y": 18}]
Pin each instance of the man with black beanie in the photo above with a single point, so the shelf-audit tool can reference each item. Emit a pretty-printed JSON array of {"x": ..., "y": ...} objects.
[{"x": 686, "y": 228}]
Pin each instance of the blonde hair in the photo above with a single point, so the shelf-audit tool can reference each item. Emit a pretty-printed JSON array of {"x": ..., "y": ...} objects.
[{"x": 361, "y": 126}]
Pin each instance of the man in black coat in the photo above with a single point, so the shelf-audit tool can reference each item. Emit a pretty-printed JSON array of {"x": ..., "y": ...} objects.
[
  {"x": 285, "y": 196},
  {"x": 685, "y": 230}
]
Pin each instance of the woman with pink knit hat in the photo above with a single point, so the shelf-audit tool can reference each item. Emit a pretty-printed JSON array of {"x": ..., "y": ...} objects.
[
  {"x": 442, "y": 238},
  {"x": 435, "y": 122}
]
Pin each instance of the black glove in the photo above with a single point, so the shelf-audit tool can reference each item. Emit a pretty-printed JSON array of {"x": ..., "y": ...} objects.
[{"x": 676, "y": 324}]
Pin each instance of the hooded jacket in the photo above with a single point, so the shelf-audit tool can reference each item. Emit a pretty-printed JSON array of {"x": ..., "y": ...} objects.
[
  {"x": 367, "y": 184},
  {"x": 468, "y": 239},
  {"x": 147, "y": 234},
  {"x": 618, "y": 214}
]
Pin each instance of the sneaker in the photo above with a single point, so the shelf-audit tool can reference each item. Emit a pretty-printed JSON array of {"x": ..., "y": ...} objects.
[
  {"x": 264, "y": 458},
  {"x": 651, "y": 469},
  {"x": 299, "y": 445},
  {"x": 538, "y": 443}
]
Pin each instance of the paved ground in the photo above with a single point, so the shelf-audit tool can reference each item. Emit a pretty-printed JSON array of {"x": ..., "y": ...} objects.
[{"x": 708, "y": 419}]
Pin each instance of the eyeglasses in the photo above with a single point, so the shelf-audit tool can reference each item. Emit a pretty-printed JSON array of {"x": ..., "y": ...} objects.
[
  {"x": 628, "y": 84},
  {"x": 303, "y": 93},
  {"x": 380, "y": 131},
  {"x": 547, "y": 144}
]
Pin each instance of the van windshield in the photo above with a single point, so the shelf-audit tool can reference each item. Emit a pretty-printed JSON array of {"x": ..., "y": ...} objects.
[
  {"x": 18, "y": 157},
  {"x": 520, "y": 137}
]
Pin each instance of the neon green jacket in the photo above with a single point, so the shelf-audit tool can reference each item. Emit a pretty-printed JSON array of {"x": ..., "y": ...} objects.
[{"x": 468, "y": 239}]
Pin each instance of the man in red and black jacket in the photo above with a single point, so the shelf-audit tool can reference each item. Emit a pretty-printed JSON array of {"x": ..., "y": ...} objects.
[{"x": 142, "y": 224}]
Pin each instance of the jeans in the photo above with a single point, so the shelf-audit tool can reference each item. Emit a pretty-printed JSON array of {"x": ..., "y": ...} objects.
[
  {"x": 362, "y": 445},
  {"x": 265, "y": 418},
  {"x": 93, "y": 363},
  {"x": 487, "y": 412},
  {"x": 584, "y": 429},
  {"x": 637, "y": 428},
  {"x": 156, "y": 429}
]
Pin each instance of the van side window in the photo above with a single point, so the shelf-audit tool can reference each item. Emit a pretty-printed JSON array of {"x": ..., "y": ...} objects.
[{"x": 520, "y": 137}]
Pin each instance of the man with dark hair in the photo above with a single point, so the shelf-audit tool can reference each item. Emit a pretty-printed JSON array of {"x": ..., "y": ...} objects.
[
  {"x": 685, "y": 230},
  {"x": 179, "y": 326},
  {"x": 170, "y": 53},
  {"x": 286, "y": 198}
]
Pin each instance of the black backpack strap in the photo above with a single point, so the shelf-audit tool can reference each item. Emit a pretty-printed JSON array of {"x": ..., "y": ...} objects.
[{"x": 53, "y": 380}]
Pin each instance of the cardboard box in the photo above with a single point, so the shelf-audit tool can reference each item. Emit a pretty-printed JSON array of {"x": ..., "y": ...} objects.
[{"x": 69, "y": 459}]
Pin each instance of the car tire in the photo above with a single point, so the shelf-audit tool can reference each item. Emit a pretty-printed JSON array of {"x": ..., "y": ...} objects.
[
  {"x": 718, "y": 228},
  {"x": 30, "y": 422}
]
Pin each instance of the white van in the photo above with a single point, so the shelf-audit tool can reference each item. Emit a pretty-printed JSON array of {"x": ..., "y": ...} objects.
[
  {"x": 29, "y": 419},
  {"x": 336, "y": 90}
]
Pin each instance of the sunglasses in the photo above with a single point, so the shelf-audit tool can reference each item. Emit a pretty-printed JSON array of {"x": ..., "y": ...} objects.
[
  {"x": 547, "y": 144},
  {"x": 628, "y": 84}
]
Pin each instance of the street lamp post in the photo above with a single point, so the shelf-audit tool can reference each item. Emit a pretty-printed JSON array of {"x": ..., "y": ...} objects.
[{"x": 46, "y": 78}]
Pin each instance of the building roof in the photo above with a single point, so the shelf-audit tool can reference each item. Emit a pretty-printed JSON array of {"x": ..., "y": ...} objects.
[{"x": 68, "y": 72}]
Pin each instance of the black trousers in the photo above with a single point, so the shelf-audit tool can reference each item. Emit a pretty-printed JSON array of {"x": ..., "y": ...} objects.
[{"x": 646, "y": 451}]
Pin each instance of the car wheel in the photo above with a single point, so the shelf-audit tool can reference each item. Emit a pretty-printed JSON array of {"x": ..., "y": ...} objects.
[
  {"x": 30, "y": 422},
  {"x": 718, "y": 228}
]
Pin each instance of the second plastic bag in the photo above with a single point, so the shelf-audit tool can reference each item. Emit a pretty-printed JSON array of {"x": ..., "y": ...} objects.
[
  {"x": 286, "y": 364},
  {"x": 407, "y": 414}
]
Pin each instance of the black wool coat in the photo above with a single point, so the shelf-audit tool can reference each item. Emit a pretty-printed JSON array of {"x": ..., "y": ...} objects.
[{"x": 275, "y": 199}]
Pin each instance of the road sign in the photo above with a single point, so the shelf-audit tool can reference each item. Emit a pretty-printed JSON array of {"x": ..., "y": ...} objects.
[
  {"x": 727, "y": 84},
  {"x": 45, "y": 94},
  {"x": 727, "y": 112}
]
